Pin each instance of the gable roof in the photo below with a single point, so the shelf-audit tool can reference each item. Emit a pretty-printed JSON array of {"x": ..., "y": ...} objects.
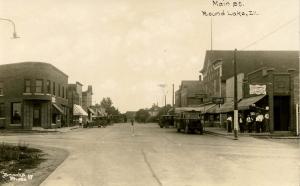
[{"x": 248, "y": 61}]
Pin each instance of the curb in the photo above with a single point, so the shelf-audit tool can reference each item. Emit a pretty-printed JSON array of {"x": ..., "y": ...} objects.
[{"x": 254, "y": 135}]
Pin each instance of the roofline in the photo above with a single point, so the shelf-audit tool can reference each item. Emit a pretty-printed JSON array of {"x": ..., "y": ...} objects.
[{"x": 43, "y": 63}]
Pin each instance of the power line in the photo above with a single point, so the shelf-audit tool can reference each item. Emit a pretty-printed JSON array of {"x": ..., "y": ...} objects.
[{"x": 270, "y": 33}]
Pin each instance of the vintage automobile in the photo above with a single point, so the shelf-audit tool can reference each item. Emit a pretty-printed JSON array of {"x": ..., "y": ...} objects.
[
  {"x": 166, "y": 121},
  {"x": 100, "y": 121},
  {"x": 188, "y": 120}
]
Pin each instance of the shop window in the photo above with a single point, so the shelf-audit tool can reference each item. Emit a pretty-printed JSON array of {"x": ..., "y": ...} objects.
[
  {"x": 48, "y": 86},
  {"x": 16, "y": 113},
  {"x": 38, "y": 86},
  {"x": 27, "y": 87},
  {"x": 2, "y": 110},
  {"x": 1, "y": 89}
]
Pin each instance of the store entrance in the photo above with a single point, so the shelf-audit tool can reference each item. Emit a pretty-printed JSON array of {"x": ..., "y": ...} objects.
[
  {"x": 281, "y": 113},
  {"x": 36, "y": 115}
]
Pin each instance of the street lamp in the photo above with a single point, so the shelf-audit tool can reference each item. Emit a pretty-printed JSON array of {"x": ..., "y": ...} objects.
[
  {"x": 15, "y": 36},
  {"x": 163, "y": 86}
]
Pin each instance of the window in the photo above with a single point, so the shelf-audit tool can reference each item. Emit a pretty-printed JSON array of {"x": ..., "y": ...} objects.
[
  {"x": 27, "y": 87},
  {"x": 59, "y": 90},
  {"x": 48, "y": 87},
  {"x": 1, "y": 89},
  {"x": 38, "y": 86},
  {"x": 16, "y": 113},
  {"x": 2, "y": 110},
  {"x": 63, "y": 92},
  {"x": 53, "y": 88}
]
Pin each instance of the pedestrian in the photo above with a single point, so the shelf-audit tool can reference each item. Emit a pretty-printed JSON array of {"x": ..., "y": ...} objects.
[
  {"x": 229, "y": 123},
  {"x": 266, "y": 122},
  {"x": 132, "y": 126},
  {"x": 249, "y": 122},
  {"x": 80, "y": 121},
  {"x": 241, "y": 123},
  {"x": 258, "y": 122}
]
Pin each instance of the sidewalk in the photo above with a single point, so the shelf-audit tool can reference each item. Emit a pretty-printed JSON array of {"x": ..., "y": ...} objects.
[
  {"x": 38, "y": 130},
  {"x": 222, "y": 132}
]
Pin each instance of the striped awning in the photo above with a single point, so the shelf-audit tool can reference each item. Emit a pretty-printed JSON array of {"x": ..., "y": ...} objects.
[
  {"x": 91, "y": 111},
  {"x": 78, "y": 111},
  {"x": 58, "y": 108}
]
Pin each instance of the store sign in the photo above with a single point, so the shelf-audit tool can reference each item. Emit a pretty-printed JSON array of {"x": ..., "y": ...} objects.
[
  {"x": 218, "y": 100},
  {"x": 258, "y": 89}
]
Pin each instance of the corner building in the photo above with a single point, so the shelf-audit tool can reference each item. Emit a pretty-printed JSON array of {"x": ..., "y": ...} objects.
[{"x": 32, "y": 94}]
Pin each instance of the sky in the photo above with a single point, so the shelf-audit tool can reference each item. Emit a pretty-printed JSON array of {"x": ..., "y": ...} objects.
[{"x": 126, "y": 48}]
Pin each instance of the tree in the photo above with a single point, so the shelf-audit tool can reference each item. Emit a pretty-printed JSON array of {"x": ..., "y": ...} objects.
[
  {"x": 142, "y": 115},
  {"x": 107, "y": 104}
]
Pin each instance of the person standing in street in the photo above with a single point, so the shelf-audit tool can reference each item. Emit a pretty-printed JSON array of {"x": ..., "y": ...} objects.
[
  {"x": 132, "y": 126},
  {"x": 241, "y": 123},
  {"x": 229, "y": 123},
  {"x": 258, "y": 121},
  {"x": 249, "y": 123},
  {"x": 266, "y": 121},
  {"x": 80, "y": 121}
]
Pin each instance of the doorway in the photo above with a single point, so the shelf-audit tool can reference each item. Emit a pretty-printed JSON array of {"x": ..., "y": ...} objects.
[
  {"x": 37, "y": 115},
  {"x": 281, "y": 113}
]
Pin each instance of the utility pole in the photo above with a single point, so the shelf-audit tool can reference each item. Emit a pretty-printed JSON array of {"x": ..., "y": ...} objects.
[
  {"x": 173, "y": 95},
  {"x": 235, "y": 118}
]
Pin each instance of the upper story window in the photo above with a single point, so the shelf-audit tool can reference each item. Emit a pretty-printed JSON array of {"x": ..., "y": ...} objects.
[
  {"x": 48, "y": 87},
  {"x": 63, "y": 92},
  {"x": 59, "y": 90},
  {"x": 1, "y": 88},
  {"x": 39, "y": 86},
  {"x": 53, "y": 88},
  {"x": 27, "y": 87}
]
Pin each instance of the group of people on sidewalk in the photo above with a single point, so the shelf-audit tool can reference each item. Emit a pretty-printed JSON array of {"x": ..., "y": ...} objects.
[{"x": 252, "y": 122}]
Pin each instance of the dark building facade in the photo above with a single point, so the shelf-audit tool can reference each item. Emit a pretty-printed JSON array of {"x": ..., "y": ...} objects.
[
  {"x": 190, "y": 93},
  {"x": 32, "y": 94},
  {"x": 281, "y": 95}
]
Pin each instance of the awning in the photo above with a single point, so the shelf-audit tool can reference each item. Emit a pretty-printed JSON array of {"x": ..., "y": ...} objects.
[
  {"x": 208, "y": 108},
  {"x": 78, "y": 111},
  {"x": 226, "y": 107},
  {"x": 246, "y": 102},
  {"x": 186, "y": 109},
  {"x": 214, "y": 109},
  {"x": 58, "y": 108},
  {"x": 91, "y": 111}
]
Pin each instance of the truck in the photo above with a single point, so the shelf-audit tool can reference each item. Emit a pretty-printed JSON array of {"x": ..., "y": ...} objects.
[
  {"x": 166, "y": 121},
  {"x": 188, "y": 120}
]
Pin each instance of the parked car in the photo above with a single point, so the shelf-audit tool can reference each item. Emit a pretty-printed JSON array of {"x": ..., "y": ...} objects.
[
  {"x": 189, "y": 121},
  {"x": 166, "y": 121}
]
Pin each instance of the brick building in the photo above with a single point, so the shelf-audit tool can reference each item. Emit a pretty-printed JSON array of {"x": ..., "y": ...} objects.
[
  {"x": 75, "y": 102},
  {"x": 32, "y": 94},
  {"x": 277, "y": 70},
  {"x": 218, "y": 66},
  {"x": 280, "y": 95}
]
